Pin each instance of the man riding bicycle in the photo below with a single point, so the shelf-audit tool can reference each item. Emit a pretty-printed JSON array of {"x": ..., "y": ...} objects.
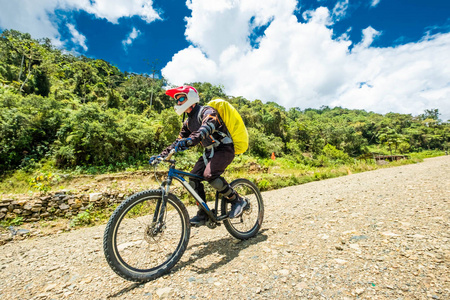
[{"x": 205, "y": 126}]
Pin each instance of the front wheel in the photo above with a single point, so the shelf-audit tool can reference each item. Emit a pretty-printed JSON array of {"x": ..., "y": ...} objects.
[
  {"x": 249, "y": 223},
  {"x": 137, "y": 246}
]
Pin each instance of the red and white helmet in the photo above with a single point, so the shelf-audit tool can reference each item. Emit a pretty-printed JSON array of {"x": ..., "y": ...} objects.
[{"x": 190, "y": 93}]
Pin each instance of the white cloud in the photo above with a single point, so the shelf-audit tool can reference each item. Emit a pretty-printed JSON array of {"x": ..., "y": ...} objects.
[
  {"x": 38, "y": 17},
  {"x": 190, "y": 65},
  {"x": 130, "y": 38},
  {"x": 319, "y": 16},
  {"x": 113, "y": 10},
  {"x": 77, "y": 38},
  {"x": 374, "y": 3},
  {"x": 216, "y": 25},
  {"x": 369, "y": 34},
  {"x": 340, "y": 10},
  {"x": 301, "y": 65},
  {"x": 31, "y": 17},
  {"x": 406, "y": 79}
]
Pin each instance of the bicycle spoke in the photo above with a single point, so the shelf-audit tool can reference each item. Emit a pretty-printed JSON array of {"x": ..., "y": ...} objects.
[
  {"x": 147, "y": 249},
  {"x": 248, "y": 224}
]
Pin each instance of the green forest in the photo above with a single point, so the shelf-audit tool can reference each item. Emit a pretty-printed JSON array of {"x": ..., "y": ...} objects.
[{"x": 79, "y": 113}]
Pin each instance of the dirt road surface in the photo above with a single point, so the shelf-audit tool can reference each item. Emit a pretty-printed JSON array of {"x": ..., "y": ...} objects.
[{"x": 382, "y": 234}]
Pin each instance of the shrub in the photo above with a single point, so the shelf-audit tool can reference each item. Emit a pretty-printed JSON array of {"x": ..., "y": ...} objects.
[
  {"x": 333, "y": 153},
  {"x": 262, "y": 144},
  {"x": 43, "y": 182},
  {"x": 83, "y": 218}
]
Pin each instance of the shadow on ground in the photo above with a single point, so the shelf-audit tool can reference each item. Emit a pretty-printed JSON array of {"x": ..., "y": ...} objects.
[{"x": 227, "y": 248}]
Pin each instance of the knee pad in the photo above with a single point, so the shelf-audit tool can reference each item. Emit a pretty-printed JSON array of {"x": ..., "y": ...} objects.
[{"x": 219, "y": 184}]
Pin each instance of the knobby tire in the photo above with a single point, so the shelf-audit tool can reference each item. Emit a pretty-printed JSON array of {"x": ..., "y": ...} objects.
[
  {"x": 248, "y": 224},
  {"x": 131, "y": 247}
]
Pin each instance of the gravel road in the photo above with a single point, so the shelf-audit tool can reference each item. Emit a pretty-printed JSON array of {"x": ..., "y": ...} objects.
[{"x": 382, "y": 234}]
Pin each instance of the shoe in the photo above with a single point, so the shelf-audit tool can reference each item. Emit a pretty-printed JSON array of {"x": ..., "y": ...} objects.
[
  {"x": 237, "y": 207},
  {"x": 199, "y": 219}
]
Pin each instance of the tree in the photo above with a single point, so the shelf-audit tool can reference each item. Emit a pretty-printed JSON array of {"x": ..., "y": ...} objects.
[
  {"x": 85, "y": 78},
  {"x": 137, "y": 91},
  {"x": 391, "y": 138},
  {"x": 80, "y": 111},
  {"x": 24, "y": 56},
  {"x": 432, "y": 114}
]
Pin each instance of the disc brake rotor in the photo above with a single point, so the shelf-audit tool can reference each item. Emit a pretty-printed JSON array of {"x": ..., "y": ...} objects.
[{"x": 154, "y": 232}]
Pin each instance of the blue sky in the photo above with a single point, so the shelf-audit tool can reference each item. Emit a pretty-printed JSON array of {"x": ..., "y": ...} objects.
[{"x": 378, "y": 55}]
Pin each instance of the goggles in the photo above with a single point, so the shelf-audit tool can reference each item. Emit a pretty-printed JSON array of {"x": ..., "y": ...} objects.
[{"x": 181, "y": 99}]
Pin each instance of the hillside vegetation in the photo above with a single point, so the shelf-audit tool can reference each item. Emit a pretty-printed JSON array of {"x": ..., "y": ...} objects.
[{"x": 86, "y": 116}]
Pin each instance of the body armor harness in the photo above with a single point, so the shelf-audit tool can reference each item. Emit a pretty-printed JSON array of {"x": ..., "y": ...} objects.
[{"x": 212, "y": 137}]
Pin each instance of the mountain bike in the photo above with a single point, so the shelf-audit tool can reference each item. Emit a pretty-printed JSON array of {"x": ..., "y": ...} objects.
[{"x": 148, "y": 232}]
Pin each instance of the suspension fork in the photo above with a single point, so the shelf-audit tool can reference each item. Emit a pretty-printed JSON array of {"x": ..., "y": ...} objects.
[{"x": 160, "y": 209}]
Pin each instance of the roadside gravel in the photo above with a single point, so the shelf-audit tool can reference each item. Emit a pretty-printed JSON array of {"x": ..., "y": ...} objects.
[{"x": 383, "y": 234}]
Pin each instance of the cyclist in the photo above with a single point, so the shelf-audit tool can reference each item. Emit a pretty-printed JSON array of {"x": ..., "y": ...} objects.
[{"x": 205, "y": 126}]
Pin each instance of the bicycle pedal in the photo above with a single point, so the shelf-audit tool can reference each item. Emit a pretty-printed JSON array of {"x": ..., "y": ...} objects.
[{"x": 198, "y": 224}]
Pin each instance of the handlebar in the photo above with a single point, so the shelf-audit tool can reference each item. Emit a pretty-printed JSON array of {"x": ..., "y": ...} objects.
[
  {"x": 167, "y": 158},
  {"x": 171, "y": 153}
]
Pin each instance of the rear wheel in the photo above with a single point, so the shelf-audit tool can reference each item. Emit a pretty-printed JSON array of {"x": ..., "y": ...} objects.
[
  {"x": 139, "y": 249},
  {"x": 249, "y": 223}
]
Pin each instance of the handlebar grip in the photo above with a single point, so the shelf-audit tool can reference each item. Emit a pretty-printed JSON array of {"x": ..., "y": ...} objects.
[{"x": 172, "y": 152}]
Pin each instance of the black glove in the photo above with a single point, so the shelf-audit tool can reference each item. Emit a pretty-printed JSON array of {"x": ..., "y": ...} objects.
[
  {"x": 154, "y": 159},
  {"x": 183, "y": 144}
]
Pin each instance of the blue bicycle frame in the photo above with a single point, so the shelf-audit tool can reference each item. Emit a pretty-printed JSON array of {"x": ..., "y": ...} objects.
[{"x": 179, "y": 176}]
